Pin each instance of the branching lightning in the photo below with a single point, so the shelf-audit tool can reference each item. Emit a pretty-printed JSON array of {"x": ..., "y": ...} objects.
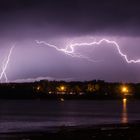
[
  {"x": 5, "y": 64},
  {"x": 70, "y": 49}
]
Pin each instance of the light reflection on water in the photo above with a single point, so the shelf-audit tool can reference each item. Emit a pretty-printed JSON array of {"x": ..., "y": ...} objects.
[
  {"x": 25, "y": 115},
  {"x": 124, "y": 118}
]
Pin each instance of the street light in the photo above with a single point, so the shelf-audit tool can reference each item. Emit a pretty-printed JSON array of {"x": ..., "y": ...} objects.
[
  {"x": 62, "y": 88},
  {"x": 38, "y": 88},
  {"x": 124, "y": 89}
]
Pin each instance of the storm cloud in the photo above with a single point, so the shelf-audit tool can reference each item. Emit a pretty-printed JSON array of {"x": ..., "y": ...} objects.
[{"x": 64, "y": 21}]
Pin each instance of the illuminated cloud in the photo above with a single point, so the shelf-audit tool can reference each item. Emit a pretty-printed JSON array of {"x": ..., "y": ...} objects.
[{"x": 63, "y": 23}]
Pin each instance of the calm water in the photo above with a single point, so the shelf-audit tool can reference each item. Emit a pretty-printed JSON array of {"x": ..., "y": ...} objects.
[{"x": 28, "y": 115}]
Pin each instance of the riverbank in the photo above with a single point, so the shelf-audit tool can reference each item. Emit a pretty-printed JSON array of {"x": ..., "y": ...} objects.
[{"x": 130, "y": 131}]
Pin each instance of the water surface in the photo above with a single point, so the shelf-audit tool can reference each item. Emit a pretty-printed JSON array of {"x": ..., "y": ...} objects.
[{"x": 29, "y": 115}]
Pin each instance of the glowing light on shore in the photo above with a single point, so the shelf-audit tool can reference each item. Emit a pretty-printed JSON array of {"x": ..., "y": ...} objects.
[
  {"x": 124, "y": 89},
  {"x": 62, "y": 88}
]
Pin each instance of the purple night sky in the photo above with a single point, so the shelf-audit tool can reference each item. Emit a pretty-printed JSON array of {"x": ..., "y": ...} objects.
[{"x": 63, "y": 22}]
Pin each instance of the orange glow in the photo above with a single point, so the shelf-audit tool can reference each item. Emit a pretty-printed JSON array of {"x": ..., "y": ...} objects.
[
  {"x": 124, "y": 101},
  {"x": 62, "y": 88},
  {"x": 124, "y": 118},
  {"x": 124, "y": 89}
]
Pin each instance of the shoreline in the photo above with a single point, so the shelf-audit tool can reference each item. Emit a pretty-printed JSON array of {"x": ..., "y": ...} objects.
[{"x": 106, "y": 131}]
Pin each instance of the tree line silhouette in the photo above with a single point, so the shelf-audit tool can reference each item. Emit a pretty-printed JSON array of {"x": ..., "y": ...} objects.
[{"x": 44, "y": 89}]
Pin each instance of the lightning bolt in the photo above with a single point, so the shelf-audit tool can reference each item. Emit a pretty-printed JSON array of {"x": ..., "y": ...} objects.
[
  {"x": 5, "y": 76},
  {"x": 5, "y": 64},
  {"x": 70, "y": 49}
]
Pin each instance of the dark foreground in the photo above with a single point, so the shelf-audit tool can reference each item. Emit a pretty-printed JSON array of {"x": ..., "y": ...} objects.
[{"x": 102, "y": 132}]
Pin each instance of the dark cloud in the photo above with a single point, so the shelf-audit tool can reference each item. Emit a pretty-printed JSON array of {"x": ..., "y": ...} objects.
[{"x": 29, "y": 17}]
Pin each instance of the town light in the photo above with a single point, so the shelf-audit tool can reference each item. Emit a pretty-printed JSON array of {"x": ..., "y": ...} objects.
[
  {"x": 38, "y": 88},
  {"x": 62, "y": 88},
  {"x": 124, "y": 89}
]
